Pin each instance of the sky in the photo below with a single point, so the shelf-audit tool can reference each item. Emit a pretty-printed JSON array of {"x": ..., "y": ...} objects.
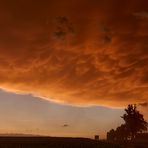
[
  {"x": 25, "y": 114},
  {"x": 61, "y": 57}
]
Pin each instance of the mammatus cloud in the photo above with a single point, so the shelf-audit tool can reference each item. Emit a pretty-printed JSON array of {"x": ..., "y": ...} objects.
[
  {"x": 141, "y": 14},
  {"x": 75, "y": 52},
  {"x": 145, "y": 104},
  {"x": 144, "y": 109}
]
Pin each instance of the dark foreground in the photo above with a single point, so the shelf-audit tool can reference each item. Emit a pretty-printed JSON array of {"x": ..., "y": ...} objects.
[
  {"x": 52, "y": 142},
  {"x": 59, "y": 142}
]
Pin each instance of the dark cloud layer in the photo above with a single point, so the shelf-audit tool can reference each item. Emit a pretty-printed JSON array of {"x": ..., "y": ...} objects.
[
  {"x": 145, "y": 104},
  {"x": 78, "y": 52}
]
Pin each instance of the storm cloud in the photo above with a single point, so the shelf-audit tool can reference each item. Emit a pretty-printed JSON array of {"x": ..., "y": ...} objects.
[{"x": 76, "y": 52}]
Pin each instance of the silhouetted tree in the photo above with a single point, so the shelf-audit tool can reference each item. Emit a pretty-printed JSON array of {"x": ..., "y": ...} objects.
[
  {"x": 134, "y": 121},
  {"x": 111, "y": 135},
  {"x": 121, "y": 133}
]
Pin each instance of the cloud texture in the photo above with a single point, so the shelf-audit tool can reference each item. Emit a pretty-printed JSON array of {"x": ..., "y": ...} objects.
[{"x": 78, "y": 52}]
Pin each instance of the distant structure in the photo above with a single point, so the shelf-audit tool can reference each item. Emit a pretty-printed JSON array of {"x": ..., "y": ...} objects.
[{"x": 97, "y": 137}]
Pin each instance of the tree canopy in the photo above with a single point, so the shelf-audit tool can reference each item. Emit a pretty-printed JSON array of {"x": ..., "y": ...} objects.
[{"x": 134, "y": 123}]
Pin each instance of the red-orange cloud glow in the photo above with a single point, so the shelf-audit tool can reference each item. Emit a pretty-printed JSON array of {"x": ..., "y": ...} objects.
[{"x": 88, "y": 52}]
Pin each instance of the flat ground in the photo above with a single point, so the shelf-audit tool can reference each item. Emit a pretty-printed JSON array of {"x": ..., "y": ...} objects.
[{"x": 52, "y": 142}]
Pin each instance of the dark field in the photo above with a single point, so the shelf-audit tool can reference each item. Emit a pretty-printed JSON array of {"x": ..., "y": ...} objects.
[
  {"x": 52, "y": 142},
  {"x": 59, "y": 142}
]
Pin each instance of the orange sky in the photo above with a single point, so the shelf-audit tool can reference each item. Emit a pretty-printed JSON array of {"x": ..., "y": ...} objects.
[
  {"x": 82, "y": 54},
  {"x": 77, "y": 52}
]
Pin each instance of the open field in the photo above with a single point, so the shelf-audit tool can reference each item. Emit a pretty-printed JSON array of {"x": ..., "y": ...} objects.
[
  {"x": 62, "y": 142},
  {"x": 52, "y": 142}
]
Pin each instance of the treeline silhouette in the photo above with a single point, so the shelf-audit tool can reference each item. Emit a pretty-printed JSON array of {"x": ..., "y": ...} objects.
[{"x": 134, "y": 124}]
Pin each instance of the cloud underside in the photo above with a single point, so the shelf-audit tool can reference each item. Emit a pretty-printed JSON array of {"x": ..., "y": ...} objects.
[{"x": 90, "y": 53}]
